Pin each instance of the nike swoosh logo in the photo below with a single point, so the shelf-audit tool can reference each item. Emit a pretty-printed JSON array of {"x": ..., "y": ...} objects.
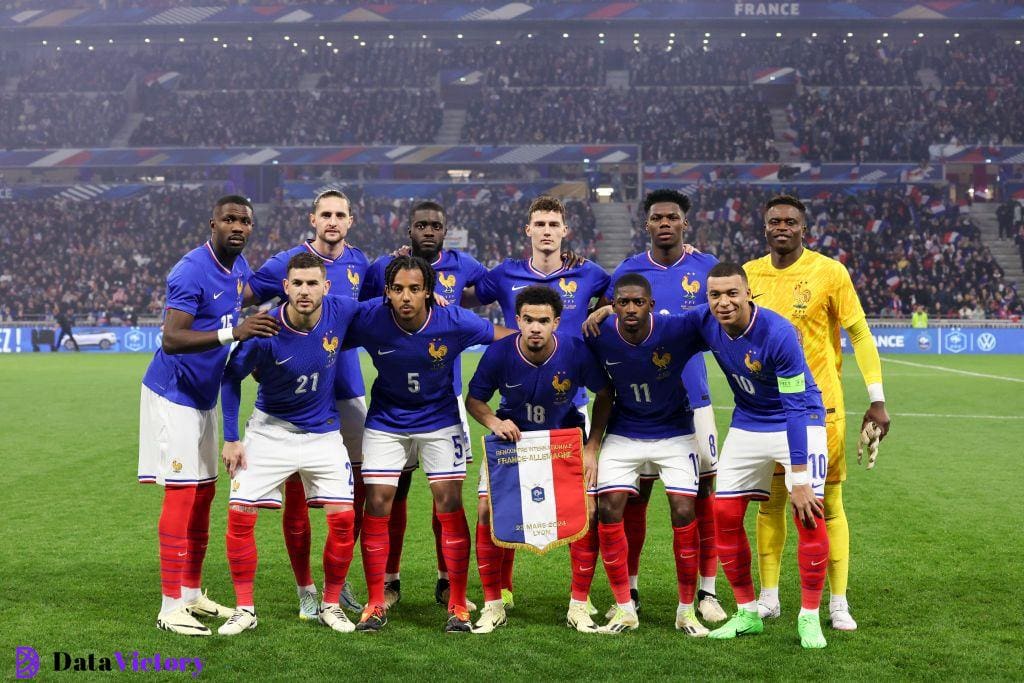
[
  {"x": 384, "y": 353},
  {"x": 512, "y": 386},
  {"x": 725, "y": 562},
  {"x": 608, "y": 362},
  {"x": 516, "y": 289},
  {"x": 587, "y": 569},
  {"x": 282, "y": 362},
  {"x": 183, "y": 554},
  {"x": 687, "y": 557},
  {"x": 815, "y": 564},
  {"x": 757, "y": 295},
  {"x": 740, "y": 633},
  {"x": 217, "y": 295}
]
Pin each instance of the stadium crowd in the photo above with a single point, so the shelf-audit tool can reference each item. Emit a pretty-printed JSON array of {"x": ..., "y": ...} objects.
[{"x": 59, "y": 120}]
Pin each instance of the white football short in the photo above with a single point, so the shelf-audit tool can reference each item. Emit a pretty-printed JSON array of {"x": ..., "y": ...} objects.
[
  {"x": 276, "y": 449},
  {"x": 674, "y": 459},
  {"x": 748, "y": 461},
  {"x": 707, "y": 444},
  {"x": 177, "y": 444},
  {"x": 352, "y": 412},
  {"x": 442, "y": 454}
]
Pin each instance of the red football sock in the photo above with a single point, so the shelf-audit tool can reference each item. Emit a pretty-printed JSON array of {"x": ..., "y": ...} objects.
[
  {"x": 358, "y": 500},
  {"x": 684, "y": 549},
  {"x": 812, "y": 554},
  {"x": 455, "y": 546},
  {"x": 488, "y": 562},
  {"x": 297, "y": 532},
  {"x": 240, "y": 541},
  {"x": 508, "y": 563},
  {"x": 435, "y": 524},
  {"x": 337, "y": 553},
  {"x": 614, "y": 552},
  {"x": 706, "y": 529},
  {"x": 396, "y": 534},
  {"x": 198, "y": 535},
  {"x": 172, "y": 531},
  {"x": 582, "y": 558},
  {"x": 634, "y": 520},
  {"x": 733, "y": 546},
  {"x": 374, "y": 540}
]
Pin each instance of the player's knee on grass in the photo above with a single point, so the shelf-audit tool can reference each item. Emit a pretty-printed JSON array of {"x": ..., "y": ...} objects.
[
  {"x": 447, "y": 495},
  {"x": 404, "y": 483},
  {"x": 379, "y": 499},
  {"x": 682, "y": 510},
  {"x": 610, "y": 506},
  {"x": 483, "y": 511},
  {"x": 645, "y": 487}
]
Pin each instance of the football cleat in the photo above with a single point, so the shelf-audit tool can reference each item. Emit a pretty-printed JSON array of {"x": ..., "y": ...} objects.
[
  {"x": 335, "y": 617},
  {"x": 623, "y": 620},
  {"x": 591, "y": 610},
  {"x": 809, "y": 628},
  {"x": 634, "y": 595},
  {"x": 710, "y": 608},
  {"x": 348, "y": 599},
  {"x": 205, "y": 608},
  {"x": 392, "y": 593},
  {"x": 842, "y": 620},
  {"x": 309, "y": 605},
  {"x": 241, "y": 620},
  {"x": 743, "y": 623},
  {"x": 441, "y": 591},
  {"x": 373, "y": 620},
  {"x": 458, "y": 621},
  {"x": 507, "y": 600},
  {"x": 686, "y": 621},
  {"x": 578, "y": 617},
  {"x": 769, "y": 608},
  {"x": 178, "y": 620},
  {"x": 491, "y": 617}
]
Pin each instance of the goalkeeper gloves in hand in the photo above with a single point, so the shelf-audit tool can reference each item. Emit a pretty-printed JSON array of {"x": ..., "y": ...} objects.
[{"x": 869, "y": 438}]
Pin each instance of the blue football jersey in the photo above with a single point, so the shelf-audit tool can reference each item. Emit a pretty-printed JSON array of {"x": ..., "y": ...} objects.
[
  {"x": 413, "y": 392},
  {"x": 347, "y": 274},
  {"x": 650, "y": 398},
  {"x": 537, "y": 396},
  {"x": 201, "y": 286},
  {"x": 455, "y": 270},
  {"x": 676, "y": 288},
  {"x": 295, "y": 370},
  {"x": 769, "y": 377}
]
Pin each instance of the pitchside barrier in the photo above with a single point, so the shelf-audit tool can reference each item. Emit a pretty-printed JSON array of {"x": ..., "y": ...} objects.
[{"x": 942, "y": 337}]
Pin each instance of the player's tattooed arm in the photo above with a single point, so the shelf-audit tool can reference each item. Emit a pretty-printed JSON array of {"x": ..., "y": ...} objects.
[
  {"x": 592, "y": 325},
  {"x": 482, "y": 413},
  {"x": 179, "y": 337}
]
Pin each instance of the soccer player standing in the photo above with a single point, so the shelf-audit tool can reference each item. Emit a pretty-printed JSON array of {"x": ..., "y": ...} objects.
[
  {"x": 814, "y": 293},
  {"x": 576, "y": 284},
  {"x": 456, "y": 271},
  {"x": 678, "y": 282},
  {"x": 293, "y": 431},
  {"x": 651, "y": 429},
  {"x": 413, "y": 413},
  {"x": 177, "y": 416},
  {"x": 331, "y": 220},
  {"x": 779, "y": 418},
  {"x": 535, "y": 373}
]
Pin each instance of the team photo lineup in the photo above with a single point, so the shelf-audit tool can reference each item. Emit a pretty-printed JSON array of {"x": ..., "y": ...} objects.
[{"x": 634, "y": 339}]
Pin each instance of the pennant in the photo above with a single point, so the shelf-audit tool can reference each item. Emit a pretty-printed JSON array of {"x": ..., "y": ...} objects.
[{"x": 537, "y": 496}]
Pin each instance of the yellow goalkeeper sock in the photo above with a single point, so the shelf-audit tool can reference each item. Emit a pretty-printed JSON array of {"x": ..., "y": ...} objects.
[
  {"x": 838, "y": 539},
  {"x": 771, "y": 533}
]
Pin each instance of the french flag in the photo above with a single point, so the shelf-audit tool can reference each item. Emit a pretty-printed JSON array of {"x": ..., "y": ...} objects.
[
  {"x": 937, "y": 207},
  {"x": 875, "y": 226},
  {"x": 537, "y": 495}
]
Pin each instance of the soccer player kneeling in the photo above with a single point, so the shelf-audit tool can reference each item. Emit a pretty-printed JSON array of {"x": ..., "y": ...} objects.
[
  {"x": 779, "y": 418},
  {"x": 293, "y": 429}
]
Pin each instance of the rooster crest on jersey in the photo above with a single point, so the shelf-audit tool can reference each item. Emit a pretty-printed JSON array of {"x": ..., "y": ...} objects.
[
  {"x": 752, "y": 364},
  {"x": 447, "y": 281},
  {"x": 691, "y": 287},
  {"x": 240, "y": 287},
  {"x": 801, "y": 297},
  {"x": 176, "y": 466},
  {"x": 437, "y": 351},
  {"x": 661, "y": 359},
  {"x": 568, "y": 288},
  {"x": 331, "y": 347},
  {"x": 353, "y": 278},
  {"x": 562, "y": 385}
]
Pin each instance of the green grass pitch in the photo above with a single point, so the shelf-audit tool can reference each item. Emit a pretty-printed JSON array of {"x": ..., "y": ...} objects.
[{"x": 935, "y": 581}]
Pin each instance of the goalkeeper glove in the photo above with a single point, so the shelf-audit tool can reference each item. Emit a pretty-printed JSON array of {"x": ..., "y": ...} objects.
[{"x": 869, "y": 438}]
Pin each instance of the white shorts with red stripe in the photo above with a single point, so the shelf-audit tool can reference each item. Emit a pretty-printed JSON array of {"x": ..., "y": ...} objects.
[
  {"x": 352, "y": 412},
  {"x": 707, "y": 444},
  {"x": 442, "y": 454},
  {"x": 623, "y": 458},
  {"x": 276, "y": 449},
  {"x": 748, "y": 462},
  {"x": 177, "y": 444}
]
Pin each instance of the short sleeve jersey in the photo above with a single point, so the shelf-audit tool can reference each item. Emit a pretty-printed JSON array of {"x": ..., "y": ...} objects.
[
  {"x": 346, "y": 273},
  {"x": 201, "y": 286}
]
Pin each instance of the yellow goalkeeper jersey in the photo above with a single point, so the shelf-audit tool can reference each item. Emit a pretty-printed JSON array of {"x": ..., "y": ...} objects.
[{"x": 815, "y": 294}]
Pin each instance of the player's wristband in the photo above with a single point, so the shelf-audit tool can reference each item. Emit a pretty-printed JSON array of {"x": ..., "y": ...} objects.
[
  {"x": 875, "y": 393},
  {"x": 799, "y": 478},
  {"x": 225, "y": 335}
]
